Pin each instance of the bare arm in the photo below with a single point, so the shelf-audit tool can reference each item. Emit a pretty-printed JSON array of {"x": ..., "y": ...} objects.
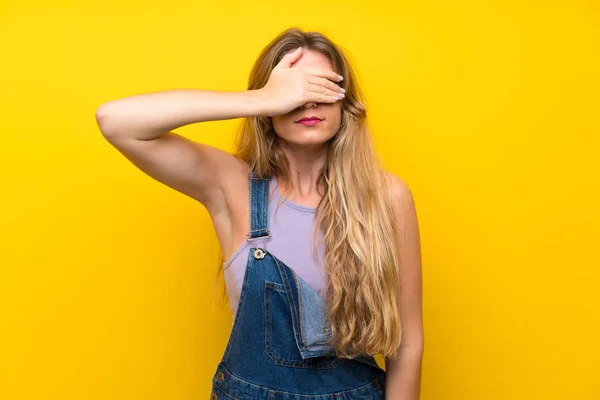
[
  {"x": 140, "y": 128},
  {"x": 148, "y": 116},
  {"x": 403, "y": 379}
]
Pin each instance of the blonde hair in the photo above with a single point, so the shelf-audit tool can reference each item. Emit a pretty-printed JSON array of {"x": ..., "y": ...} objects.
[{"x": 355, "y": 215}]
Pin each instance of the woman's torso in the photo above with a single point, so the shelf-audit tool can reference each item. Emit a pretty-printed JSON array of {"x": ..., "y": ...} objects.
[{"x": 291, "y": 240}]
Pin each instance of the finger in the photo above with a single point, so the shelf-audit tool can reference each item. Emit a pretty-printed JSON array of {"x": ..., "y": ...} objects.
[
  {"x": 290, "y": 58},
  {"x": 323, "y": 91},
  {"x": 321, "y": 98},
  {"x": 325, "y": 73},
  {"x": 326, "y": 83}
]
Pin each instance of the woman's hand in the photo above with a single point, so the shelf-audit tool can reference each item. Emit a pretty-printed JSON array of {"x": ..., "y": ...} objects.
[{"x": 291, "y": 87}]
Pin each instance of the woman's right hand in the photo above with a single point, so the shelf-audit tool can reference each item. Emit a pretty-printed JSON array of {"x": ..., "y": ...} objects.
[{"x": 291, "y": 87}]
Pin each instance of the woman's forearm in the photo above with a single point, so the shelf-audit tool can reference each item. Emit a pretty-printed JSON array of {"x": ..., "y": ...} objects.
[
  {"x": 147, "y": 116},
  {"x": 403, "y": 374}
]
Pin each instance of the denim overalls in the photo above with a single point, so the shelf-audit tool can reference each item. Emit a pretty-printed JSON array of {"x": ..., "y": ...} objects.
[{"x": 278, "y": 347}]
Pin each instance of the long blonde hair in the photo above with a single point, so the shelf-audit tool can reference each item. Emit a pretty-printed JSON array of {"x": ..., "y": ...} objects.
[{"x": 355, "y": 216}]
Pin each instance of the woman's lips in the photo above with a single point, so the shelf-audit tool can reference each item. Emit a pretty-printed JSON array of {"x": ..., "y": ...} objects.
[{"x": 309, "y": 122}]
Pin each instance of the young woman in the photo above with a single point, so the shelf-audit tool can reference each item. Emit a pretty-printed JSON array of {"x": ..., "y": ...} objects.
[{"x": 323, "y": 265}]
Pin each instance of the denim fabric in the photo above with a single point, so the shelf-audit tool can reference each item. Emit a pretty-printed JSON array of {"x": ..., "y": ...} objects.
[{"x": 278, "y": 348}]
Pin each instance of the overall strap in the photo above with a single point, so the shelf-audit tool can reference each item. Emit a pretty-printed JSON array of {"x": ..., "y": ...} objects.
[{"x": 259, "y": 207}]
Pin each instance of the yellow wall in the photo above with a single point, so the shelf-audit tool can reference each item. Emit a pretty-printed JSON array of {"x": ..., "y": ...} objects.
[{"x": 488, "y": 109}]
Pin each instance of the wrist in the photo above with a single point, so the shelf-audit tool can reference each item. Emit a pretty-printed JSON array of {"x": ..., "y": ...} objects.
[{"x": 256, "y": 106}]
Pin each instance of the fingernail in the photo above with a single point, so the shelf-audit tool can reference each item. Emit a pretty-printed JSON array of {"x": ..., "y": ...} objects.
[
  {"x": 343, "y": 90},
  {"x": 341, "y": 77}
]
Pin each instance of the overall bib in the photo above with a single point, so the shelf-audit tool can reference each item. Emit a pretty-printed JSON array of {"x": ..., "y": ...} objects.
[{"x": 278, "y": 347}]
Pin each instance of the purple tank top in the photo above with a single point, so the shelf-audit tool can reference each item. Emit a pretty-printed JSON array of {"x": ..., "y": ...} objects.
[{"x": 290, "y": 241}]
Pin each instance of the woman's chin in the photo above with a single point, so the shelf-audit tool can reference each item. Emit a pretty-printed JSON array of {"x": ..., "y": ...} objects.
[{"x": 307, "y": 141}]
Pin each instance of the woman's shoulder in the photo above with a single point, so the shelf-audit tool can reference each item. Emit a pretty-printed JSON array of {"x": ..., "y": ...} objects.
[
  {"x": 400, "y": 192},
  {"x": 396, "y": 184}
]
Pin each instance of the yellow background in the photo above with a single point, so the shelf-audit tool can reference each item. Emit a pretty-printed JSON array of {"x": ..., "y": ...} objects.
[{"x": 488, "y": 109}]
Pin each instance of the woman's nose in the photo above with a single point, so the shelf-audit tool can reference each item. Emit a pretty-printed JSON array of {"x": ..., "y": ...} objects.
[{"x": 309, "y": 105}]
